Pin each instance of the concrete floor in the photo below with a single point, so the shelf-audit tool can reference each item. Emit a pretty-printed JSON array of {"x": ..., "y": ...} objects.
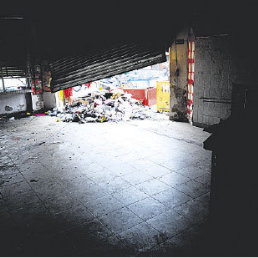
[{"x": 138, "y": 188}]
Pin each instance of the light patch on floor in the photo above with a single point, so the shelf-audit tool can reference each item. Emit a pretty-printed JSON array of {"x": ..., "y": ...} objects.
[{"x": 128, "y": 188}]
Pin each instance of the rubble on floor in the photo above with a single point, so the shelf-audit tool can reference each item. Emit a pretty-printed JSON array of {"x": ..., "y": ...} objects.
[{"x": 102, "y": 106}]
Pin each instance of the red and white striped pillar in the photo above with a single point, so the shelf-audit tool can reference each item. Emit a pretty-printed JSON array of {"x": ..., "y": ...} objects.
[{"x": 190, "y": 85}]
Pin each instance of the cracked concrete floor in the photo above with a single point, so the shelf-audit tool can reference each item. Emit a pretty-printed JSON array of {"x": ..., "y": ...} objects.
[{"x": 138, "y": 188}]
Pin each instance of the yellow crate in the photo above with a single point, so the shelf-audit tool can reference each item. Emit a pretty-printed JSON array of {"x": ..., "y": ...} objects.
[
  {"x": 61, "y": 95},
  {"x": 163, "y": 96}
]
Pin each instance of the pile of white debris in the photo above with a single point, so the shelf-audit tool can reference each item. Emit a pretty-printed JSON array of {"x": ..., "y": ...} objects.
[{"x": 104, "y": 105}]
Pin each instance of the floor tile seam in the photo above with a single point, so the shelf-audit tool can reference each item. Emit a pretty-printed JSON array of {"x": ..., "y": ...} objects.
[
  {"x": 202, "y": 195},
  {"x": 173, "y": 235},
  {"x": 170, "y": 238},
  {"x": 7, "y": 183},
  {"x": 178, "y": 211},
  {"x": 135, "y": 184},
  {"x": 4, "y": 175},
  {"x": 117, "y": 234},
  {"x": 185, "y": 216},
  {"x": 208, "y": 191},
  {"x": 90, "y": 188},
  {"x": 144, "y": 169},
  {"x": 167, "y": 136},
  {"x": 171, "y": 169},
  {"x": 145, "y": 220},
  {"x": 181, "y": 173},
  {"x": 157, "y": 177},
  {"x": 119, "y": 175},
  {"x": 126, "y": 205},
  {"x": 148, "y": 196},
  {"x": 90, "y": 179},
  {"x": 128, "y": 229},
  {"x": 96, "y": 171},
  {"x": 143, "y": 250},
  {"x": 47, "y": 197},
  {"x": 10, "y": 206},
  {"x": 149, "y": 224},
  {"x": 49, "y": 209},
  {"x": 42, "y": 164},
  {"x": 8, "y": 210},
  {"x": 84, "y": 204},
  {"x": 165, "y": 174},
  {"x": 14, "y": 217},
  {"x": 184, "y": 192},
  {"x": 9, "y": 159},
  {"x": 202, "y": 182},
  {"x": 98, "y": 220},
  {"x": 62, "y": 191},
  {"x": 105, "y": 213},
  {"x": 113, "y": 177},
  {"x": 175, "y": 184},
  {"x": 132, "y": 202},
  {"x": 167, "y": 208},
  {"x": 30, "y": 186},
  {"x": 117, "y": 190},
  {"x": 152, "y": 195}
]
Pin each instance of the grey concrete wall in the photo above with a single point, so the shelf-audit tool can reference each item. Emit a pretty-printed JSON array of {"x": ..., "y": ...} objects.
[
  {"x": 49, "y": 100},
  {"x": 213, "y": 80},
  {"x": 12, "y": 103},
  {"x": 178, "y": 78},
  {"x": 37, "y": 102}
]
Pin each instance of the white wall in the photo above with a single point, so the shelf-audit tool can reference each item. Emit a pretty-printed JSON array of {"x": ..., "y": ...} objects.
[
  {"x": 11, "y": 103},
  {"x": 37, "y": 102}
]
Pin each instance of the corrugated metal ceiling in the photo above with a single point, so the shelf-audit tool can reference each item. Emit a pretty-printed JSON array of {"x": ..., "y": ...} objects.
[
  {"x": 11, "y": 71},
  {"x": 76, "y": 70}
]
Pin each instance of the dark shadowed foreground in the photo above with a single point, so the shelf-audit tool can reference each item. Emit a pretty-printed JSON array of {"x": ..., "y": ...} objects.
[{"x": 126, "y": 189}]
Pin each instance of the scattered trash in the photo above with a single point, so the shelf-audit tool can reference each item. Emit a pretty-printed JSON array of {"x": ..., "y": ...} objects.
[
  {"x": 102, "y": 106},
  {"x": 16, "y": 138},
  {"x": 51, "y": 113},
  {"x": 41, "y": 143},
  {"x": 55, "y": 142},
  {"x": 39, "y": 114},
  {"x": 12, "y": 118}
]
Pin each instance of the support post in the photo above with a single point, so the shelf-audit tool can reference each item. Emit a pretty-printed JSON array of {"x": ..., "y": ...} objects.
[
  {"x": 178, "y": 77},
  {"x": 2, "y": 77}
]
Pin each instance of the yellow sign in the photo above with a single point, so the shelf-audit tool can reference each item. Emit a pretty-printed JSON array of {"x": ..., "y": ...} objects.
[
  {"x": 61, "y": 94},
  {"x": 163, "y": 96}
]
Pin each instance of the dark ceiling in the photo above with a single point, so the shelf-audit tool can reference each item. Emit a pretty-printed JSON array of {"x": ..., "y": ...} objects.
[
  {"x": 57, "y": 28},
  {"x": 51, "y": 29},
  {"x": 64, "y": 27}
]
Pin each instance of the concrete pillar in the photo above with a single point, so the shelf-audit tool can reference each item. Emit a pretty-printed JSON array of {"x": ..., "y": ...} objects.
[{"x": 178, "y": 77}]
